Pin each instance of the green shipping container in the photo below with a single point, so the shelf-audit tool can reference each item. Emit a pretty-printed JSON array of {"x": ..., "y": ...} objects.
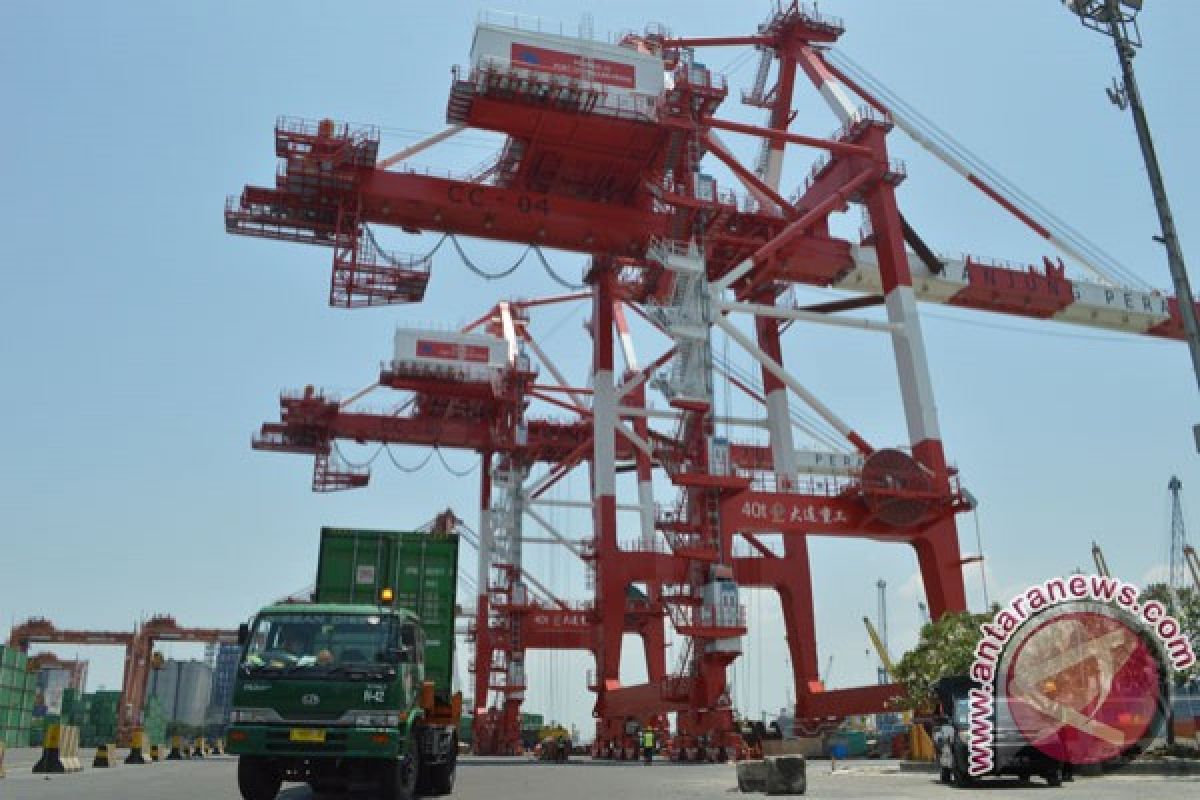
[
  {"x": 11, "y": 657},
  {"x": 422, "y": 570},
  {"x": 15, "y": 738}
]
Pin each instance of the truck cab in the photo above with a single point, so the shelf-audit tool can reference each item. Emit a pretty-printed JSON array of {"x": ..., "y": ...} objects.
[
  {"x": 354, "y": 691},
  {"x": 335, "y": 695}
]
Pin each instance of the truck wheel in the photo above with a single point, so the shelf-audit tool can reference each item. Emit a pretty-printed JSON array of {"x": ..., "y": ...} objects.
[
  {"x": 257, "y": 779},
  {"x": 441, "y": 778},
  {"x": 1053, "y": 776},
  {"x": 945, "y": 775},
  {"x": 398, "y": 779},
  {"x": 962, "y": 778}
]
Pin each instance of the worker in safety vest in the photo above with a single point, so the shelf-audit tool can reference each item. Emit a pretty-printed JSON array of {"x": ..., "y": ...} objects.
[{"x": 648, "y": 745}]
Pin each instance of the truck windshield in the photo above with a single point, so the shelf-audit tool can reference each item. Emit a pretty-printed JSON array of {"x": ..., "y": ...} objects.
[{"x": 314, "y": 641}]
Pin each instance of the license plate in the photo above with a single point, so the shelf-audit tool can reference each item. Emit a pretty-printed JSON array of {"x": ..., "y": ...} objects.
[{"x": 307, "y": 735}]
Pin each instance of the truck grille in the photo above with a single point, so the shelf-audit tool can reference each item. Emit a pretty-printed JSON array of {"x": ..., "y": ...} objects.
[{"x": 304, "y": 716}]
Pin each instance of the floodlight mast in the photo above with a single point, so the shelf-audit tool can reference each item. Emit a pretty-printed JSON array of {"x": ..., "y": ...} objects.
[{"x": 1118, "y": 20}]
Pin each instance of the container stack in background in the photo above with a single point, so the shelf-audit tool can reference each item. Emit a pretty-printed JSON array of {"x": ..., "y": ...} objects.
[
  {"x": 98, "y": 724},
  {"x": 73, "y": 708},
  {"x": 17, "y": 691},
  {"x": 1185, "y": 707},
  {"x": 531, "y": 729}
]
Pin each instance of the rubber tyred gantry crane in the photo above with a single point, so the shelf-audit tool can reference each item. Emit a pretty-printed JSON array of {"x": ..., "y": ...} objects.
[
  {"x": 76, "y": 669},
  {"x": 158, "y": 628},
  {"x": 139, "y": 647},
  {"x": 604, "y": 155}
]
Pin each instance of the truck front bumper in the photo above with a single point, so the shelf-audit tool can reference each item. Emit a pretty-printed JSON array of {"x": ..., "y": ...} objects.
[{"x": 336, "y": 742}]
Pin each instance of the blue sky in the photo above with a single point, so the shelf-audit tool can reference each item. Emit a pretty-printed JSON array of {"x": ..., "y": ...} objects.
[{"x": 142, "y": 345}]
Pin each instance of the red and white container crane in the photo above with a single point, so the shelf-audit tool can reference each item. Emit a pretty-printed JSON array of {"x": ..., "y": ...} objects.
[{"x": 603, "y": 155}]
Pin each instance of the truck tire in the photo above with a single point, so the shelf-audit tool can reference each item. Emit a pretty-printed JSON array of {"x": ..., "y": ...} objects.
[
  {"x": 1053, "y": 776},
  {"x": 436, "y": 780},
  {"x": 441, "y": 778},
  {"x": 257, "y": 778},
  {"x": 962, "y": 778},
  {"x": 398, "y": 779}
]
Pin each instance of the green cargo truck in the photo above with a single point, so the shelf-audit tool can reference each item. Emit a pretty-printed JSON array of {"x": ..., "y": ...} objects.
[{"x": 353, "y": 691}]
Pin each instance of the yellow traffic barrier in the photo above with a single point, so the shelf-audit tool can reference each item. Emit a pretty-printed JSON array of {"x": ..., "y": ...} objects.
[
  {"x": 198, "y": 747},
  {"x": 106, "y": 756},
  {"x": 51, "y": 760},
  {"x": 155, "y": 752},
  {"x": 136, "y": 744},
  {"x": 2, "y": 749},
  {"x": 176, "y": 753},
  {"x": 920, "y": 745},
  {"x": 218, "y": 747}
]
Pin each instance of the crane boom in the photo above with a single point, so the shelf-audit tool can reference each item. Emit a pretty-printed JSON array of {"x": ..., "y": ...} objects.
[
  {"x": 1101, "y": 562},
  {"x": 1193, "y": 562},
  {"x": 879, "y": 648}
]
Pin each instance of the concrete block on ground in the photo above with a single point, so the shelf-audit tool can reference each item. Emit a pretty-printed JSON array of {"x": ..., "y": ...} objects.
[
  {"x": 786, "y": 775},
  {"x": 752, "y": 776}
]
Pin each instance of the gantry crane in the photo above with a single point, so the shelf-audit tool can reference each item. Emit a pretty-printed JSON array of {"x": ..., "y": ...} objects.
[
  {"x": 1101, "y": 562},
  {"x": 139, "y": 649},
  {"x": 77, "y": 669},
  {"x": 1189, "y": 553},
  {"x": 604, "y": 155},
  {"x": 877, "y": 642},
  {"x": 158, "y": 628}
]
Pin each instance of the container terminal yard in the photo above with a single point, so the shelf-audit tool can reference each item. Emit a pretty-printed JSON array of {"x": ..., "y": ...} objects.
[{"x": 608, "y": 438}]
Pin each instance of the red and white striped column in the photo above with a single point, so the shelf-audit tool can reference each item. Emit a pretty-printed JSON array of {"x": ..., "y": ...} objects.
[{"x": 610, "y": 594}]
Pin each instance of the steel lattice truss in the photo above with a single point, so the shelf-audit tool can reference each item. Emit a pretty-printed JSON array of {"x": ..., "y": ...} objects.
[{"x": 582, "y": 170}]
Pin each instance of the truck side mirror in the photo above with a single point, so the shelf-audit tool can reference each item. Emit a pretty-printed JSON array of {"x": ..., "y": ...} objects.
[
  {"x": 398, "y": 655},
  {"x": 243, "y": 634}
]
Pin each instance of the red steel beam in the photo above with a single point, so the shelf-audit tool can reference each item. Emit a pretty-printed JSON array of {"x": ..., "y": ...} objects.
[
  {"x": 841, "y": 148},
  {"x": 824, "y": 209},
  {"x": 428, "y": 203},
  {"x": 718, "y": 41},
  {"x": 749, "y": 177}
]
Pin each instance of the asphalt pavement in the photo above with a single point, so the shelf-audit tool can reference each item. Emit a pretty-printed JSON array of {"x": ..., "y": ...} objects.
[{"x": 501, "y": 779}]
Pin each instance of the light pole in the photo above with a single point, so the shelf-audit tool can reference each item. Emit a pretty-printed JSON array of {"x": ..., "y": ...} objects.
[{"x": 1118, "y": 20}]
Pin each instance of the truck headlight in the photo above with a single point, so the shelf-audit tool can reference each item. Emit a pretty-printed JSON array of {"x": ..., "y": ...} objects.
[
  {"x": 368, "y": 719},
  {"x": 249, "y": 715}
]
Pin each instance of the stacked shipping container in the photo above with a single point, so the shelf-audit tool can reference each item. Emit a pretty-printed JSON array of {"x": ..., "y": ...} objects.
[
  {"x": 420, "y": 568},
  {"x": 17, "y": 691},
  {"x": 99, "y": 718}
]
